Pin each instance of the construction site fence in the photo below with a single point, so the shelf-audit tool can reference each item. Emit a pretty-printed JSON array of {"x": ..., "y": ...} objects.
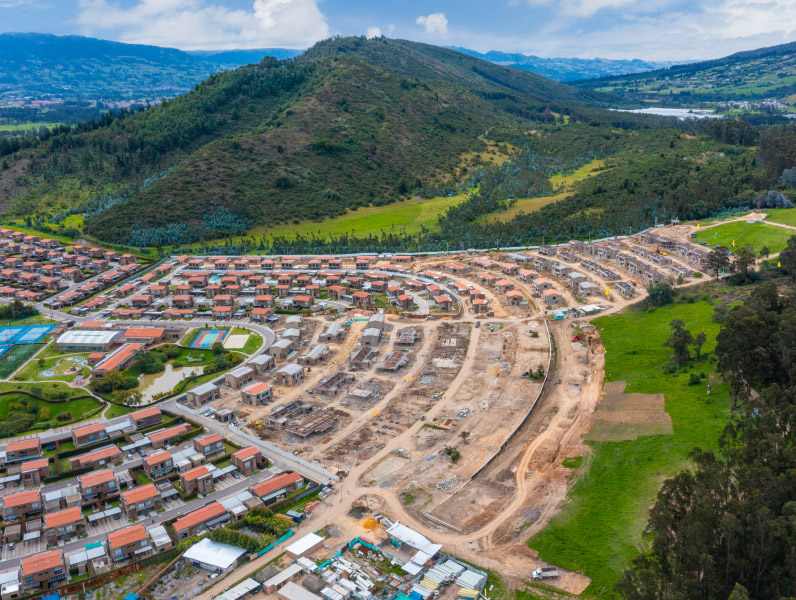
[
  {"x": 527, "y": 416},
  {"x": 289, "y": 534}
]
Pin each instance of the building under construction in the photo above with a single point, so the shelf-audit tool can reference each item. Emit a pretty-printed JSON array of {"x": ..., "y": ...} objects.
[
  {"x": 330, "y": 386},
  {"x": 394, "y": 361},
  {"x": 317, "y": 422}
]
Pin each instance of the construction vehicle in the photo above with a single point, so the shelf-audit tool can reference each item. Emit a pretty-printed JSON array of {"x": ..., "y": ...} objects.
[{"x": 545, "y": 573}]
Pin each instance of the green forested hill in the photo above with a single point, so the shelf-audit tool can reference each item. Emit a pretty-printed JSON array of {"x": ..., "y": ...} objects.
[
  {"x": 352, "y": 122},
  {"x": 752, "y": 75}
]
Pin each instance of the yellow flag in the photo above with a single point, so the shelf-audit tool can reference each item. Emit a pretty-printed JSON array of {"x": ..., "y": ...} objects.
[
  {"x": 779, "y": 264},
  {"x": 697, "y": 226},
  {"x": 607, "y": 291},
  {"x": 733, "y": 243}
]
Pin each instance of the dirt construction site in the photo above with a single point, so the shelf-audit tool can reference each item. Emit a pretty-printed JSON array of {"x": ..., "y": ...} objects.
[{"x": 456, "y": 422}]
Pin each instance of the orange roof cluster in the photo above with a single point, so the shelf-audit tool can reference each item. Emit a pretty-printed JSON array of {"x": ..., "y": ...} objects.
[
  {"x": 128, "y": 535},
  {"x": 142, "y": 492},
  {"x": 62, "y": 517},
  {"x": 42, "y": 562},
  {"x": 99, "y": 454},
  {"x": 206, "y": 513},
  {"x": 275, "y": 483}
]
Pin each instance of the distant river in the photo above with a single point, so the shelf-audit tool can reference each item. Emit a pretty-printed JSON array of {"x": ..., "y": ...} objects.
[{"x": 680, "y": 113}]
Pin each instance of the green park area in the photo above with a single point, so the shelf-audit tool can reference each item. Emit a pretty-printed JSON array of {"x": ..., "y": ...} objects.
[
  {"x": 63, "y": 367},
  {"x": 600, "y": 529},
  {"x": 786, "y": 216},
  {"x": 58, "y": 405},
  {"x": 756, "y": 235}
]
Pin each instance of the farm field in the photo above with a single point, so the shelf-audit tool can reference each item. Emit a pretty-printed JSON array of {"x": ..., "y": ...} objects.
[
  {"x": 742, "y": 233},
  {"x": 26, "y": 126},
  {"x": 579, "y": 174},
  {"x": 601, "y": 527}
]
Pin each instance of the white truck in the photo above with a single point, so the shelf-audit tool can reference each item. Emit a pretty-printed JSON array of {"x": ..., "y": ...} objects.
[{"x": 545, "y": 573}]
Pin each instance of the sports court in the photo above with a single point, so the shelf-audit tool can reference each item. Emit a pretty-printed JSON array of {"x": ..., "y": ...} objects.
[
  {"x": 206, "y": 339},
  {"x": 23, "y": 334}
]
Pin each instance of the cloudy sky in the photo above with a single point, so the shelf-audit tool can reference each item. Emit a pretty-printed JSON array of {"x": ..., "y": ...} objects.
[{"x": 646, "y": 29}]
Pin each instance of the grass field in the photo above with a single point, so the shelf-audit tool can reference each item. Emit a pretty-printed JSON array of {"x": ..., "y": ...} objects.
[
  {"x": 563, "y": 184},
  {"x": 742, "y": 233},
  {"x": 14, "y": 358},
  {"x": 26, "y": 126},
  {"x": 252, "y": 344},
  {"x": 405, "y": 216},
  {"x": 76, "y": 408},
  {"x": 579, "y": 174},
  {"x": 58, "y": 364},
  {"x": 523, "y": 205},
  {"x": 786, "y": 216},
  {"x": 118, "y": 411},
  {"x": 600, "y": 529}
]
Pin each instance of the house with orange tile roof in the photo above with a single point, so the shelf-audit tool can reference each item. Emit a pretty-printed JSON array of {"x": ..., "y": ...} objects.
[
  {"x": 23, "y": 450},
  {"x": 271, "y": 490},
  {"x": 64, "y": 524},
  {"x": 131, "y": 542},
  {"x": 89, "y": 434},
  {"x": 21, "y": 505},
  {"x": 197, "y": 480},
  {"x": 141, "y": 500},
  {"x": 207, "y": 517},
  {"x": 100, "y": 457},
  {"x": 248, "y": 460},
  {"x": 208, "y": 445},
  {"x": 146, "y": 417},
  {"x": 158, "y": 465},
  {"x": 99, "y": 485},
  {"x": 161, "y": 437},
  {"x": 44, "y": 570},
  {"x": 34, "y": 471},
  {"x": 120, "y": 359},
  {"x": 257, "y": 393}
]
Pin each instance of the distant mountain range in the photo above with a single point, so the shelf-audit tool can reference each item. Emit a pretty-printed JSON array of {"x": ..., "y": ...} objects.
[
  {"x": 566, "y": 69},
  {"x": 752, "y": 75},
  {"x": 38, "y": 65}
]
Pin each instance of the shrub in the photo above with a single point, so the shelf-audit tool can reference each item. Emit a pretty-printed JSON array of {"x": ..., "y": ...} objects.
[
  {"x": 694, "y": 379},
  {"x": 63, "y": 417}
]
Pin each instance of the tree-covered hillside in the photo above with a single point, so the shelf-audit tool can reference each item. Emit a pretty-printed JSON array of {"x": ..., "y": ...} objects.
[{"x": 752, "y": 75}]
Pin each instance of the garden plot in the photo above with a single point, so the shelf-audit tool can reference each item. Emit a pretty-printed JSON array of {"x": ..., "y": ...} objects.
[{"x": 621, "y": 417}]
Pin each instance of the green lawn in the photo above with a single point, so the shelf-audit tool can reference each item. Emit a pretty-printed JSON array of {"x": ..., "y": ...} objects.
[
  {"x": 600, "y": 529},
  {"x": 742, "y": 233},
  {"x": 58, "y": 364},
  {"x": 78, "y": 409},
  {"x": 786, "y": 216},
  {"x": 252, "y": 344},
  {"x": 118, "y": 411}
]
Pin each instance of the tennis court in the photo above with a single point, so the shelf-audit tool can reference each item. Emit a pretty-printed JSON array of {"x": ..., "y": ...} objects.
[
  {"x": 24, "y": 334},
  {"x": 206, "y": 339}
]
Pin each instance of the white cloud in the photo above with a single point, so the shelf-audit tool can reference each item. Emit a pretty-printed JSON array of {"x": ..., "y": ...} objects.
[
  {"x": 434, "y": 23},
  {"x": 192, "y": 24},
  {"x": 373, "y": 32},
  {"x": 582, "y": 8}
]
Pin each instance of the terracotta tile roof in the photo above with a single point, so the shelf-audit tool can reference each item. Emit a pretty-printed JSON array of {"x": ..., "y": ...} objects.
[
  {"x": 165, "y": 434},
  {"x": 196, "y": 473},
  {"x": 22, "y": 445},
  {"x": 157, "y": 458},
  {"x": 206, "y": 513},
  {"x": 99, "y": 454},
  {"x": 145, "y": 412},
  {"x": 142, "y": 492},
  {"x": 206, "y": 440},
  {"x": 257, "y": 388},
  {"x": 62, "y": 517},
  {"x": 42, "y": 562},
  {"x": 35, "y": 464},
  {"x": 88, "y": 429},
  {"x": 128, "y": 535},
  {"x": 20, "y": 498},
  {"x": 275, "y": 483},
  {"x": 246, "y": 453},
  {"x": 96, "y": 478}
]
